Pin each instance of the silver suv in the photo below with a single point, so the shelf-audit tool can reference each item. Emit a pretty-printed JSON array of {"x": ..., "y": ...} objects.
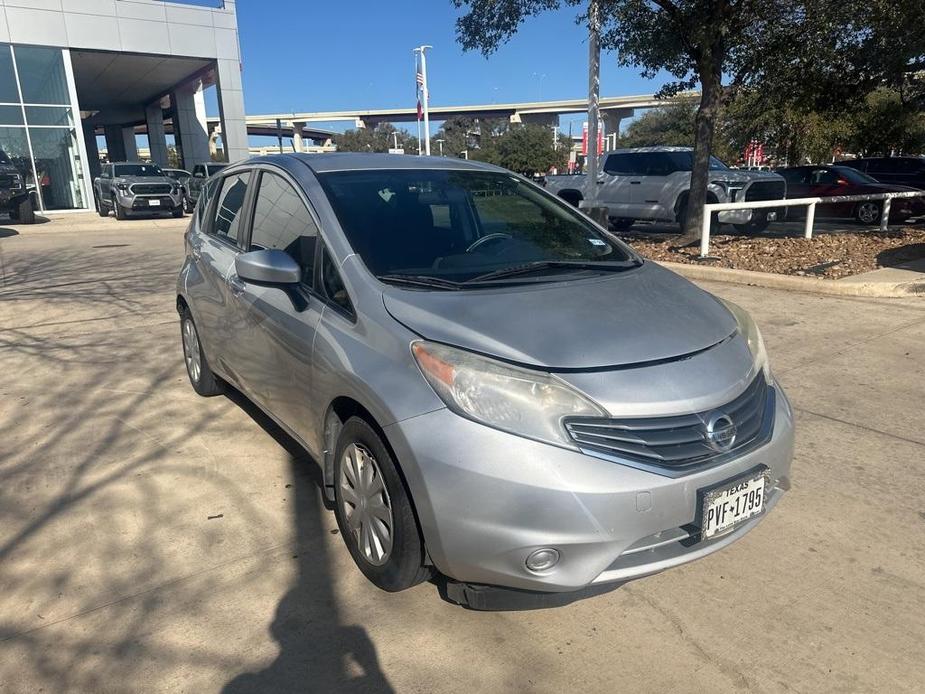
[
  {"x": 653, "y": 183},
  {"x": 496, "y": 389},
  {"x": 127, "y": 187}
]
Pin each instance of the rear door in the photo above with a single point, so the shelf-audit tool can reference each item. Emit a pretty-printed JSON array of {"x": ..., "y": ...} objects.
[
  {"x": 275, "y": 326},
  {"x": 826, "y": 183},
  {"x": 615, "y": 187},
  {"x": 648, "y": 189}
]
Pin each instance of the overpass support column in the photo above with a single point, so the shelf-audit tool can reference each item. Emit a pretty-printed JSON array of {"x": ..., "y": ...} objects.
[
  {"x": 115, "y": 145},
  {"x": 612, "y": 118},
  {"x": 297, "y": 144},
  {"x": 157, "y": 139},
  {"x": 190, "y": 123}
]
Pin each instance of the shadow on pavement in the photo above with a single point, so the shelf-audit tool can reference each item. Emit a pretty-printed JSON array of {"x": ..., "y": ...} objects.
[
  {"x": 317, "y": 653},
  {"x": 909, "y": 257},
  {"x": 6, "y": 232}
]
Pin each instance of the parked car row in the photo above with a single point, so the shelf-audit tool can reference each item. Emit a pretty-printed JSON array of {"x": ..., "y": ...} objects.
[{"x": 653, "y": 183}]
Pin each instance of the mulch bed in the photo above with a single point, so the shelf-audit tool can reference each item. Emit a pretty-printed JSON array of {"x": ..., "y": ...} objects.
[{"x": 830, "y": 256}]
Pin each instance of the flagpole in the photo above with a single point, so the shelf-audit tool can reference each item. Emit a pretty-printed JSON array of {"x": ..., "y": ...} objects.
[{"x": 426, "y": 92}]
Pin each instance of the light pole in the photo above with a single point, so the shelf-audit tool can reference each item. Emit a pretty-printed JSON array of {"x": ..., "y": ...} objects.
[
  {"x": 395, "y": 139},
  {"x": 421, "y": 50},
  {"x": 440, "y": 142},
  {"x": 594, "y": 91}
]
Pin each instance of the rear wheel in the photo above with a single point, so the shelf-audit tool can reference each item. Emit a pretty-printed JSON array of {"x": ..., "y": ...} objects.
[
  {"x": 374, "y": 512},
  {"x": 621, "y": 223},
  {"x": 24, "y": 212},
  {"x": 200, "y": 374},
  {"x": 572, "y": 197},
  {"x": 868, "y": 212}
]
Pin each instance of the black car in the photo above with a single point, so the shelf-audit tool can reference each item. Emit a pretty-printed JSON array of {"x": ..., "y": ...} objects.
[
  {"x": 15, "y": 197},
  {"x": 907, "y": 171}
]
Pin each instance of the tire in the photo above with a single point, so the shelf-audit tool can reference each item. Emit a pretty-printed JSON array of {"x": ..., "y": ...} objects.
[
  {"x": 118, "y": 210},
  {"x": 572, "y": 197},
  {"x": 391, "y": 567},
  {"x": 100, "y": 210},
  {"x": 621, "y": 223},
  {"x": 681, "y": 214},
  {"x": 758, "y": 223},
  {"x": 25, "y": 212},
  {"x": 187, "y": 207},
  {"x": 177, "y": 211},
  {"x": 868, "y": 212},
  {"x": 201, "y": 377}
]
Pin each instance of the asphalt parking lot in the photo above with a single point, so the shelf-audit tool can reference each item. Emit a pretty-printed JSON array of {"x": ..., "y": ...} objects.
[{"x": 152, "y": 540}]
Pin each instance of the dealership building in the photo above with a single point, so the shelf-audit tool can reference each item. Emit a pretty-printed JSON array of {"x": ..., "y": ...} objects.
[{"x": 75, "y": 70}]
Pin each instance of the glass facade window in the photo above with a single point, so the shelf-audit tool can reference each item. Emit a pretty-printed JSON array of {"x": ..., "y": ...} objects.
[{"x": 37, "y": 125}]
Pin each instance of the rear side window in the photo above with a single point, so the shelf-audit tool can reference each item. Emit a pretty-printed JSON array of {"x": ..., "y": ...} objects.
[
  {"x": 879, "y": 166},
  {"x": 795, "y": 175},
  {"x": 230, "y": 205},
  {"x": 622, "y": 165},
  {"x": 204, "y": 196},
  {"x": 282, "y": 221}
]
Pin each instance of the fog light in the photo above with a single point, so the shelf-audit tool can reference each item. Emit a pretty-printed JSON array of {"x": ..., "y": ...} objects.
[{"x": 543, "y": 559}]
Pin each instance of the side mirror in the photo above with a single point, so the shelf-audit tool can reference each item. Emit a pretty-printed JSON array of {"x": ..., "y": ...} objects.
[
  {"x": 268, "y": 267},
  {"x": 841, "y": 182}
]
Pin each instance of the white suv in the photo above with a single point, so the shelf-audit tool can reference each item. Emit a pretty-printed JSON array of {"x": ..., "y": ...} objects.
[{"x": 653, "y": 183}]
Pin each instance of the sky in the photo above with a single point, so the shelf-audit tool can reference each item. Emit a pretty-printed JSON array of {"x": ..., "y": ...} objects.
[{"x": 358, "y": 54}]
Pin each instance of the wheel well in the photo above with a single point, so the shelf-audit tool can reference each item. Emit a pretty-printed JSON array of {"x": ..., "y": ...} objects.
[
  {"x": 181, "y": 304},
  {"x": 573, "y": 197}
]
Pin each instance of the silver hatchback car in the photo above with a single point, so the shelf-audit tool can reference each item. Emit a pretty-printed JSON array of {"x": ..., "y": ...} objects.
[{"x": 498, "y": 391}]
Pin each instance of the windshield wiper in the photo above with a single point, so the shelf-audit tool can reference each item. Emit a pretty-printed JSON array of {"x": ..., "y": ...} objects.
[
  {"x": 420, "y": 281},
  {"x": 540, "y": 265}
]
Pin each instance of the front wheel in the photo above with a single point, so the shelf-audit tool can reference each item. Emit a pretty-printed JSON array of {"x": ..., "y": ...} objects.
[
  {"x": 758, "y": 223},
  {"x": 177, "y": 211},
  {"x": 621, "y": 223},
  {"x": 24, "y": 212},
  {"x": 118, "y": 210},
  {"x": 374, "y": 512}
]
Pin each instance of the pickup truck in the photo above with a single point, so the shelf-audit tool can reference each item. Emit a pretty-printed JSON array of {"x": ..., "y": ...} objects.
[
  {"x": 126, "y": 187},
  {"x": 15, "y": 196},
  {"x": 653, "y": 183},
  {"x": 201, "y": 173}
]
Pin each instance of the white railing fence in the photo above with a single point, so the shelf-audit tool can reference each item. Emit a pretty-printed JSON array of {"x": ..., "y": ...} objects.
[{"x": 809, "y": 203}]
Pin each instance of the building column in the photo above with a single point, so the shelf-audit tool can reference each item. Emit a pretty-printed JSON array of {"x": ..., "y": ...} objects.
[
  {"x": 129, "y": 144},
  {"x": 231, "y": 109},
  {"x": 115, "y": 144},
  {"x": 189, "y": 128},
  {"x": 297, "y": 143},
  {"x": 93, "y": 151},
  {"x": 157, "y": 139}
]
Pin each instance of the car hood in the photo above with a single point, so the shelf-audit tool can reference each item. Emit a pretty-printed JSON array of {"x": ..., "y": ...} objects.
[
  {"x": 643, "y": 315},
  {"x": 144, "y": 179}
]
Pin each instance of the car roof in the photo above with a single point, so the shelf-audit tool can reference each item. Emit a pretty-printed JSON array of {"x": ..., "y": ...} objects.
[
  {"x": 657, "y": 148},
  {"x": 354, "y": 161}
]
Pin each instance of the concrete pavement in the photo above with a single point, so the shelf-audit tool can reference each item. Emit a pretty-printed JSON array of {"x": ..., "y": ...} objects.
[{"x": 152, "y": 540}]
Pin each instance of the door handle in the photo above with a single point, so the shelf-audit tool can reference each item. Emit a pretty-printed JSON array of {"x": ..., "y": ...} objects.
[
  {"x": 635, "y": 183},
  {"x": 600, "y": 183},
  {"x": 236, "y": 285}
]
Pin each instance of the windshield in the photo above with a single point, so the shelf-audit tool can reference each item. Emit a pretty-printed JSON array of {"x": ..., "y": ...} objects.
[
  {"x": 684, "y": 161},
  {"x": 853, "y": 175},
  {"x": 460, "y": 225},
  {"x": 215, "y": 168},
  {"x": 137, "y": 170}
]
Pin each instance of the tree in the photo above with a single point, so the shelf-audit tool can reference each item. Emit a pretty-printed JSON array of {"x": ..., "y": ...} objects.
[
  {"x": 526, "y": 149},
  {"x": 378, "y": 139},
  {"x": 671, "y": 125}
]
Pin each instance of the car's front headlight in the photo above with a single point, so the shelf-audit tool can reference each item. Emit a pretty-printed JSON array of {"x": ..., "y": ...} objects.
[
  {"x": 122, "y": 186},
  {"x": 520, "y": 401},
  {"x": 749, "y": 330}
]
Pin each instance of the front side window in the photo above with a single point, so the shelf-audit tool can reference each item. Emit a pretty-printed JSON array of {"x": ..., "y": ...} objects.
[
  {"x": 794, "y": 176},
  {"x": 282, "y": 221},
  {"x": 462, "y": 225},
  {"x": 230, "y": 205},
  {"x": 684, "y": 161}
]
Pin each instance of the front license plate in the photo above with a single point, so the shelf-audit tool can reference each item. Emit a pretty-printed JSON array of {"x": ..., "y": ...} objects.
[
  {"x": 732, "y": 503},
  {"x": 154, "y": 203}
]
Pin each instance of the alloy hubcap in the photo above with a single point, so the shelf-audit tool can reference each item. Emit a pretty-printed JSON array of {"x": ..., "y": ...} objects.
[
  {"x": 191, "y": 351},
  {"x": 366, "y": 504},
  {"x": 869, "y": 213}
]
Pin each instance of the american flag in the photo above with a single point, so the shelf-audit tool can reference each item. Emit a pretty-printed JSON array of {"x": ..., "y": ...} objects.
[{"x": 419, "y": 78}]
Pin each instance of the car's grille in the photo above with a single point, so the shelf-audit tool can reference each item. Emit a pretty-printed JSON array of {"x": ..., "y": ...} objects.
[
  {"x": 151, "y": 188},
  {"x": 7, "y": 181},
  {"x": 679, "y": 444},
  {"x": 766, "y": 190}
]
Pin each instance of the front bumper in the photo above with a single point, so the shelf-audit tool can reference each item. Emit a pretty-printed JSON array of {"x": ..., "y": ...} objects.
[
  {"x": 142, "y": 203},
  {"x": 487, "y": 499}
]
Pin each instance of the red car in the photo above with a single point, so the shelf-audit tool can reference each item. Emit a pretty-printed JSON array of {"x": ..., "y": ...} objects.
[{"x": 829, "y": 181}]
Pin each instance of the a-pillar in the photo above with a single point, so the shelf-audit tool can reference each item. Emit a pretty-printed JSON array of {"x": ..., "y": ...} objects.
[
  {"x": 190, "y": 124},
  {"x": 115, "y": 144},
  {"x": 297, "y": 144},
  {"x": 157, "y": 139},
  {"x": 93, "y": 150}
]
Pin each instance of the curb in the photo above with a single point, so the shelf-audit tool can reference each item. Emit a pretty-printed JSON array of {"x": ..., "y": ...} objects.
[{"x": 844, "y": 287}]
